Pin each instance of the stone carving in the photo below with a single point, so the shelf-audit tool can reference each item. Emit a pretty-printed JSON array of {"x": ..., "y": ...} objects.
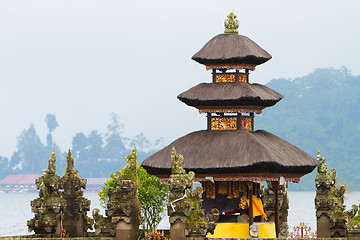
[
  {"x": 329, "y": 202},
  {"x": 284, "y": 230},
  {"x": 269, "y": 203},
  {"x": 123, "y": 208},
  {"x": 353, "y": 223},
  {"x": 231, "y": 24},
  {"x": 49, "y": 205},
  {"x": 75, "y": 220},
  {"x": 187, "y": 219}
]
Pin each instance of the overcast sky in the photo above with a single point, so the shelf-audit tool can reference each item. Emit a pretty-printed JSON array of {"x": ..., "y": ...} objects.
[{"x": 83, "y": 59}]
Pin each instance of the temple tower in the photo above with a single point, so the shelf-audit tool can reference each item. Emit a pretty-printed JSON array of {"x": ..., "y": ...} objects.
[{"x": 230, "y": 158}]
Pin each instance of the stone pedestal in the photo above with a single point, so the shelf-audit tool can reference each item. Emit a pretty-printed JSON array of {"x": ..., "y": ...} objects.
[{"x": 177, "y": 228}]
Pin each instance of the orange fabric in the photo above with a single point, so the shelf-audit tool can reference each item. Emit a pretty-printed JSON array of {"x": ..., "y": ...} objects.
[{"x": 258, "y": 209}]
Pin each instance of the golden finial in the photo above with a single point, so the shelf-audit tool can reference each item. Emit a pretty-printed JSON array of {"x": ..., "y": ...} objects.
[{"x": 231, "y": 24}]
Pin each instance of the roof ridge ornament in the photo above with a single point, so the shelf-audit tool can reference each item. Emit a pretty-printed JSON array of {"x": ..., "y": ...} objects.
[{"x": 231, "y": 24}]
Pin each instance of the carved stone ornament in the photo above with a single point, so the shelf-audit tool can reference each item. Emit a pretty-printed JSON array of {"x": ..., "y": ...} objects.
[
  {"x": 186, "y": 217},
  {"x": 329, "y": 202},
  {"x": 75, "y": 219},
  {"x": 231, "y": 24},
  {"x": 123, "y": 208},
  {"x": 49, "y": 206}
]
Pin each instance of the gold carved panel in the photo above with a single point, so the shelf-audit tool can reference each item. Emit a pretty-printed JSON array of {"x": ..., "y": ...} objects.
[
  {"x": 210, "y": 189},
  {"x": 236, "y": 189},
  {"x": 225, "y": 77},
  {"x": 246, "y": 123},
  {"x": 243, "y": 78},
  {"x": 222, "y": 123},
  {"x": 222, "y": 188}
]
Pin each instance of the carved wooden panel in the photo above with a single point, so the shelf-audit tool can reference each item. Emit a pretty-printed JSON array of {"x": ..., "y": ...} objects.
[
  {"x": 236, "y": 189},
  {"x": 225, "y": 77},
  {"x": 210, "y": 189},
  {"x": 243, "y": 78},
  {"x": 222, "y": 123},
  {"x": 247, "y": 123},
  {"x": 222, "y": 188}
]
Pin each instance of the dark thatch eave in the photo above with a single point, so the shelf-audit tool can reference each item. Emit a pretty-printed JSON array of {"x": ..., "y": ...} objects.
[
  {"x": 233, "y": 152},
  {"x": 231, "y": 49},
  {"x": 230, "y": 94}
]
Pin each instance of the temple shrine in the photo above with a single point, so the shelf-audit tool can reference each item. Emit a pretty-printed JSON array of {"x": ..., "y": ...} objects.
[{"x": 230, "y": 159}]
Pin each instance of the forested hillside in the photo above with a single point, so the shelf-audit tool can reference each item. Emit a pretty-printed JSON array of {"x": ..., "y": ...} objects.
[
  {"x": 96, "y": 154},
  {"x": 320, "y": 110}
]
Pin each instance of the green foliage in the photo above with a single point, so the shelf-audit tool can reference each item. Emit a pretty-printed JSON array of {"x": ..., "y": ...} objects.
[
  {"x": 355, "y": 220},
  {"x": 104, "y": 198},
  {"x": 153, "y": 196}
]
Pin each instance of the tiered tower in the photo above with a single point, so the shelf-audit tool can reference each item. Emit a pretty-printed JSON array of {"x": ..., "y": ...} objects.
[{"x": 229, "y": 157}]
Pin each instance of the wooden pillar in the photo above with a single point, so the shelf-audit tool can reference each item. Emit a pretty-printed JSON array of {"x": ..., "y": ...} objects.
[
  {"x": 277, "y": 226},
  {"x": 238, "y": 121},
  {"x": 252, "y": 120},
  {"x": 247, "y": 75},
  {"x": 208, "y": 121},
  {"x": 214, "y": 75},
  {"x": 251, "y": 207},
  {"x": 237, "y": 75}
]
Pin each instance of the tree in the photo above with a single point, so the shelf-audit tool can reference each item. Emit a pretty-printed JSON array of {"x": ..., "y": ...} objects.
[
  {"x": 4, "y": 167},
  {"x": 79, "y": 146},
  {"x": 52, "y": 124},
  {"x": 95, "y": 142},
  {"x": 31, "y": 155},
  {"x": 115, "y": 126},
  {"x": 114, "y": 148},
  {"x": 153, "y": 196},
  {"x": 141, "y": 142}
]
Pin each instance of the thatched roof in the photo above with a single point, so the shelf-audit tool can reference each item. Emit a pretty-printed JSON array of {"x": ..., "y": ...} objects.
[
  {"x": 230, "y": 94},
  {"x": 231, "y": 49},
  {"x": 229, "y": 152}
]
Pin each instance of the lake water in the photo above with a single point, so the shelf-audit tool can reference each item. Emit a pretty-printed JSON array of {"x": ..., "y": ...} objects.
[{"x": 15, "y": 210}]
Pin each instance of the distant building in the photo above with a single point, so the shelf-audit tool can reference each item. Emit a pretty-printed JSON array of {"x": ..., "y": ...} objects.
[{"x": 26, "y": 183}]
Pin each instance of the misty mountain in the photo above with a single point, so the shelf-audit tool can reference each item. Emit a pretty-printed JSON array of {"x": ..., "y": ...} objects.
[{"x": 319, "y": 111}]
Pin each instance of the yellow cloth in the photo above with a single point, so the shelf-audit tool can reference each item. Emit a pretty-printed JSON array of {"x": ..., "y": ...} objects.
[
  {"x": 241, "y": 230},
  {"x": 258, "y": 208}
]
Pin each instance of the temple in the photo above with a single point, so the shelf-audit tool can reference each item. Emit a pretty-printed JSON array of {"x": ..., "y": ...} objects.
[{"x": 230, "y": 158}]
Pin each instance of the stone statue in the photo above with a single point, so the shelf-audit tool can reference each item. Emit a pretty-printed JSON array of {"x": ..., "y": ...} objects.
[
  {"x": 284, "y": 230},
  {"x": 75, "y": 219},
  {"x": 269, "y": 203},
  {"x": 123, "y": 208},
  {"x": 187, "y": 219},
  {"x": 49, "y": 206}
]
